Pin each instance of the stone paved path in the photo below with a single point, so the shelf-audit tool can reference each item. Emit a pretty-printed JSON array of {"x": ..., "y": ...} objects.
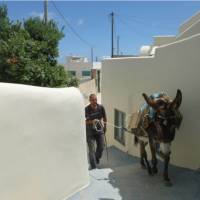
[{"x": 122, "y": 179}]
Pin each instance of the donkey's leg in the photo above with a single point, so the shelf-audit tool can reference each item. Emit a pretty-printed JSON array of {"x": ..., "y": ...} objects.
[
  {"x": 165, "y": 173},
  {"x": 144, "y": 155},
  {"x": 153, "y": 154}
]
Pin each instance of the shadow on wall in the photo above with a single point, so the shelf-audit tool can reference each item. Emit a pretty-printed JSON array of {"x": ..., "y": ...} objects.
[{"x": 133, "y": 182}]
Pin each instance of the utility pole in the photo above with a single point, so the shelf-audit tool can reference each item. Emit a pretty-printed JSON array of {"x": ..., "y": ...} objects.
[
  {"x": 45, "y": 11},
  {"x": 92, "y": 76},
  {"x": 112, "y": 34},
  {"x": 92, "y": 56},
  {"x": 118, "y": 44}
]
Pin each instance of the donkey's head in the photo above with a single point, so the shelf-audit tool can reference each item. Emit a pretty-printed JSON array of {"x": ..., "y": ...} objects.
[{"x": 167, "y": 116}]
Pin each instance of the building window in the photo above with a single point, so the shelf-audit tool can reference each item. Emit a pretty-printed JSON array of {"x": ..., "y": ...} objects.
[
  {"x": 86, "y": 73},
  {"x": 119, "y": 122},
  {"x": 73, "y": 73}
]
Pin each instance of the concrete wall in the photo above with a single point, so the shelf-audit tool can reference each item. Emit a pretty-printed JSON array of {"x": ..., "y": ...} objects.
[
  {"x": 187, "y": 29},
  {"x": 42, "y": 143},
  {"x": 174, "y": 66},
  {"x": 161, "y": 40},
  {"x": 194, "y": 29},
  {"x": 188, "y": 23}
]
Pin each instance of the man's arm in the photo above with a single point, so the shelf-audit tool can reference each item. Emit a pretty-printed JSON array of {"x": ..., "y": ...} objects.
[{"x": 88, "y": 121}]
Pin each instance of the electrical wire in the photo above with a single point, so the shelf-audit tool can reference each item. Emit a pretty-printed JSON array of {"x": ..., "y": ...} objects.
[
  {"x": 160, "y": 24},
  {"x": 138, "y": 19},
  {"x": 130, "y": 26},
  {"x": 70, "y": 26}
]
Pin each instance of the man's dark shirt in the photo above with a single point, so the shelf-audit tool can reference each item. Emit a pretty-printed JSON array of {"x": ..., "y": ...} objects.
[{"x": 91, "y": 114}]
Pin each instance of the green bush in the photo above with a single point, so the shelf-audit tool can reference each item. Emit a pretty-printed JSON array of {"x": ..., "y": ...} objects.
[{"x": 28, "y": 53}]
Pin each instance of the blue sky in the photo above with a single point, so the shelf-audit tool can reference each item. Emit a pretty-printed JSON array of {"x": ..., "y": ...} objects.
[{"x": 136, "y": 22}]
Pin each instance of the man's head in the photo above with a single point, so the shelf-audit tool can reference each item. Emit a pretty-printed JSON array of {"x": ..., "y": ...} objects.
[{"x": 93, "y": 99}]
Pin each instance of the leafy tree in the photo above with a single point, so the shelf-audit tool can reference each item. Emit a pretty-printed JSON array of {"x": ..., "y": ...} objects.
[{"x": 28, "y": 53}]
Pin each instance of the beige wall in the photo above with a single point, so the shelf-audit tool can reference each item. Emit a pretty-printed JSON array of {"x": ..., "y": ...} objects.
[
  {"x": 174, "y": 66},
  {"x": 188, "y": 23},
  {"x": 42, "y": 143},
  {"x": 161, "y": 40},
  {"x": 187, "y": 29},
  {"x": 194, "y": 29}
]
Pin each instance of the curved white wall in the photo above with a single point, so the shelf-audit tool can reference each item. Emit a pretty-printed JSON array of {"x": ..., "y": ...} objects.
[
  {"x": 42, "y": 143},
  {"x": 174, "y": 66}
]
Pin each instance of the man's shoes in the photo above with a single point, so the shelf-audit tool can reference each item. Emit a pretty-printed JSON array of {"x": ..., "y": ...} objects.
[
  {"x": 97, "y": 160},
  {"x": 92, "y": 167},
  {"x": 93, "y": 163}
]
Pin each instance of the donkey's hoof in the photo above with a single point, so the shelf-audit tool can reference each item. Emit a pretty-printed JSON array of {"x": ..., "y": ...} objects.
[
  {"x": 168, "y": 183},
  {"x": 150, "y": 172},
  {"x": 143, "y": 166}
]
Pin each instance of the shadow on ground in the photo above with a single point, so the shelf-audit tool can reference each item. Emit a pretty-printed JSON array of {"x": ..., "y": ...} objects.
[{"x": 121, "y": 178}]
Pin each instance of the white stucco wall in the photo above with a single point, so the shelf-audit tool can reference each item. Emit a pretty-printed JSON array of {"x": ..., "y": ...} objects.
[
  {"x": 42, "y": 143},
  {"x": 173, "y": 66}
]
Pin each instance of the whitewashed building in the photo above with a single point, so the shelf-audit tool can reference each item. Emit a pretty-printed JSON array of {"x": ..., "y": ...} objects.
[
  {"x": 172, "y": 62},
  {"x": 79, "y": 67}
]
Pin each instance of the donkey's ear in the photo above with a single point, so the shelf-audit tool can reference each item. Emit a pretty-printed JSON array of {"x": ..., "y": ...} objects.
[
  {"x": 177, "y": 100},
  {"x": 149, "y": 101}
]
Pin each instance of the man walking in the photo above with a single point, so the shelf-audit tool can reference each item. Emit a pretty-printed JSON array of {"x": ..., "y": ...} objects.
[{"x": 95, "y": 129}]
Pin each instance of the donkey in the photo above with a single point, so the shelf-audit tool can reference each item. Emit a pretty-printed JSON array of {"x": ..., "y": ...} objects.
[{"x": 157, "y": 123}]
